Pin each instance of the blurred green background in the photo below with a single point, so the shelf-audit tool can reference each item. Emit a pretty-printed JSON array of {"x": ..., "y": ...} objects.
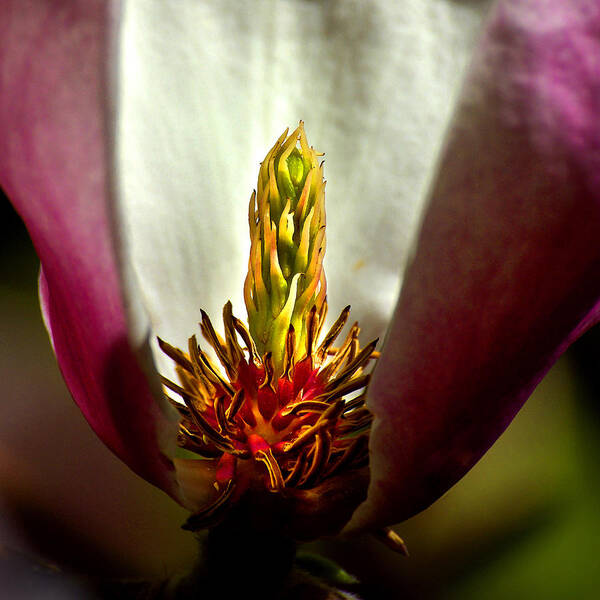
[{"x": 524, "y": 522}]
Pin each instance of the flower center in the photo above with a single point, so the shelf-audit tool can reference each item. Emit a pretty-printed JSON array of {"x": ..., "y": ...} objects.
[
  {"x": 301, "y": 428},
  {"x": 285, "y": 410}
]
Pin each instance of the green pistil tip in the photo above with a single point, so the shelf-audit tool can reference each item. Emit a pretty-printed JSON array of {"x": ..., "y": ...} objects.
[{"x": 287, "y": 233}]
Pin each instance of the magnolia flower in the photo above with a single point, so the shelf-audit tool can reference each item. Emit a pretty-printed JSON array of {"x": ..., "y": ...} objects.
[{"x": 130, "y": 136}]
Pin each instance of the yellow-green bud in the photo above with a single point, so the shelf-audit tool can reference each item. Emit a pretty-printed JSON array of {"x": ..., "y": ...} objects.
[{"x": 287, "y": 232}]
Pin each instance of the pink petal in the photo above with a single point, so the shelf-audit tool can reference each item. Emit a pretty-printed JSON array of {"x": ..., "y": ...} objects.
[
  {"x": 53, "y": 165},
  {"x": 507, "y": 266}
]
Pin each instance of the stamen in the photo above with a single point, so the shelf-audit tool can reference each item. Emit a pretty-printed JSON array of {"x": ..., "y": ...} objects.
[
  {"x": 288, "y": 357},
  {"x": 235, "y": 351},
  {"x": 359, "y": 414},
  {"x": 183, "y": 410},
  {"x": 219, "y": 408},
  {"x": 305, "y": 406},
  {"x": 297, "y": 470},
  {"x": 306, "y": 436},
  {"x": 362, "y": 357},
  {"x": 352, "y": 426},
  {"x": 355, "y": 402},
  {"x": 215, "y": 340},
  {"x": 210, "y": 515},
  {"x": 218, "y": 439},
  {"x": 269, "y": 371},
  {"x": 176, "y": 355},
  {"x": 185, "y": 395},
  {"x": 200, "y": 371},
  {"x": 354, "y": 345},
  {"x": 276, "y": 482},
  {"x": 353, "y": 451},
  {"x": 195, "y": 385},
  {"x": 245, "y": 335},
  {"x": 320, "y": 453},
  {"x": 343, "y": 352},
  {"x": 195, "y": 443},
  {"x": 235, "y": 405},
  {"x": 332, "y": 334},
  {"x": 334, "y": 411},
  {"x": 212, "y": 373},
  {"x": 351, "y": 386}
]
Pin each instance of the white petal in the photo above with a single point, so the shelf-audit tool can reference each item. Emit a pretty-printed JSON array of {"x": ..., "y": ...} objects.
[{"x": 206, "y": 88}]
